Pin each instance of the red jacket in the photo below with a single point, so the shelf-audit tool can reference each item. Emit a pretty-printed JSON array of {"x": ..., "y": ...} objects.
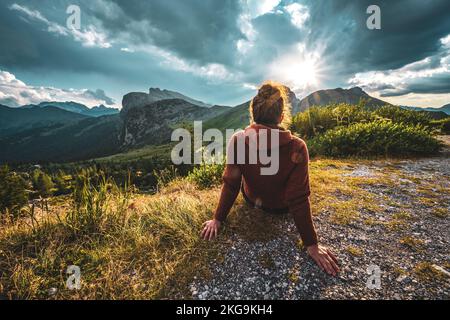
[{"x": 286, "y": 191}]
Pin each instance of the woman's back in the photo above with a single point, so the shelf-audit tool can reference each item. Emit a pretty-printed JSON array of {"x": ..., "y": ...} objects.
[{"x": 267, "y": 191}]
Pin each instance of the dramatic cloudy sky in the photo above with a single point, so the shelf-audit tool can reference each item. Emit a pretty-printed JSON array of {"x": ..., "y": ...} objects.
[{"x": 218, "y": 51}]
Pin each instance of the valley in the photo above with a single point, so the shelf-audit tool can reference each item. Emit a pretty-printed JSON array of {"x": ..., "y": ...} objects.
[{"x": 55, "y": 132}]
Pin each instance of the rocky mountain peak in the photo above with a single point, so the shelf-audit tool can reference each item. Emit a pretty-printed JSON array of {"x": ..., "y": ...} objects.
[
  {"x": 141, "y": 99},
  {"x": 339, "y": 95}
]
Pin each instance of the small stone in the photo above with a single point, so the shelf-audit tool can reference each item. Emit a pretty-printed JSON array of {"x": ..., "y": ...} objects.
[
  {"x": 52, "y": 291},
  {"x": 440, "y": 269},
  {"x": 401, "y": 278}
]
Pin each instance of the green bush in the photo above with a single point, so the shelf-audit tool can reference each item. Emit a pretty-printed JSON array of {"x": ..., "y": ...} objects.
[
  {"x": 375, "y": 138},
  {"x": 400, "y": 115},
  {"x": 13, "y": 192},
  {"x": 42, "y": 183},
  {"x": 97, "y": 202},
  {"x": 62, "y": 183},
  {"x": 207, "y": 175},
  {"x": 443, "y": 125},
  {"x": 317, "y": 120},
  {"x": 313, "y": 121}
]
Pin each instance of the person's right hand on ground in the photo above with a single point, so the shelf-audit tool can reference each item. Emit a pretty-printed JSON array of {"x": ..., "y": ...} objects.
[{"x": 210, "y": 229}]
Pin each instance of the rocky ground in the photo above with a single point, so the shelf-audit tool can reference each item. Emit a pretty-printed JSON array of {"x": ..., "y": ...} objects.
[{"x": 402, "y": 227}]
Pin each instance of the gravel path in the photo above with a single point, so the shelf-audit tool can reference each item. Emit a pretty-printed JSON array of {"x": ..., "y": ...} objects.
[{"x": 408, "y": 240}]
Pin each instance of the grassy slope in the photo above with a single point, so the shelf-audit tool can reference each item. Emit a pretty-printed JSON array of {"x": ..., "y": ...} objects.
[
  {"x": 148, "y": 246},
  {"x": 144, "y": 153},
  {"x": 236, "y": 118}
]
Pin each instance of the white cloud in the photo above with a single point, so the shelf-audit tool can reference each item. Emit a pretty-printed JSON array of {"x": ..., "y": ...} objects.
[
  {"x": 446, "y": 41},
  {"x": 397, "y": 80},
  {"x": 250, "y": 86},
  {"x": 258, "y": 8},
  {"x": 251, "y": 10},
  {"x": 247, "y": 29},
  {"x": 88, "y": 37},
  {"x": 14, "y": 93},
  {"x": 299, "y": 14},
  {"x": 408, "y": 79},
  {"x": 417, "y": 99},
  {"x": 127, "y": 50}
]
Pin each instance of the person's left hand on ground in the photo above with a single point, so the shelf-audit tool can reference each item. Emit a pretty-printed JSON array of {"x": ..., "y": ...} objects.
[{"x": 324, "y": 258}]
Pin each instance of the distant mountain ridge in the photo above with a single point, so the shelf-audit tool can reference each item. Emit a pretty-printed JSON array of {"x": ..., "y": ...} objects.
[
  {"x": 76, "y": 107},
  {"x": 14, "y": 120},
  {"x": 73, "y": 141},
  {"x": 339, "y": 95},
  {"x": 445, "y": 109}
]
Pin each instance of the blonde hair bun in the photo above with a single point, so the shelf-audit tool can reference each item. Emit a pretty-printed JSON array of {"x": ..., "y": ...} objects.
[{"x": 270, "y": 104}]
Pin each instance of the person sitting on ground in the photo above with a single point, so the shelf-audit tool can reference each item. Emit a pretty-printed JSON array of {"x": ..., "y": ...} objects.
[{"x": 285, "y": 191}]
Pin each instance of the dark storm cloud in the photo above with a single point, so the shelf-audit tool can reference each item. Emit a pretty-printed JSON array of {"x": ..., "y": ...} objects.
[
  {"x": 410, "y": 31},
  {"x": 101, "y": 95},
  {"x": 207, "y": 31},
  {"x": 433, "y": 85},
  {"x": 198, "y": 30},
  {"x": 202, "y": 32},
  {"x": 27, "y": 44}
]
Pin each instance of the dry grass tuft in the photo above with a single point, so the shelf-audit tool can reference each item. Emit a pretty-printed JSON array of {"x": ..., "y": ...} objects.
[
  {"x": 354, "y": 251},
  {"x": 413, "y": 243},
  {"x": 425, "y": 271}
]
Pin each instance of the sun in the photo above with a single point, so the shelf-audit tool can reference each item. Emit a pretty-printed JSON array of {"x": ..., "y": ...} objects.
[
  {"x": 301, "y": 74},
  {"x": 299, "y": 70}
]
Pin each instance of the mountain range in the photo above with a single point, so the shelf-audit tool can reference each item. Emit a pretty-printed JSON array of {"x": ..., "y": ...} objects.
[
  {"x": 445, "y": 109},
  {"x": 69, "y": 131},
  {"x": 14, "y": 120},
  {"x": 75, "y": 107}
]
